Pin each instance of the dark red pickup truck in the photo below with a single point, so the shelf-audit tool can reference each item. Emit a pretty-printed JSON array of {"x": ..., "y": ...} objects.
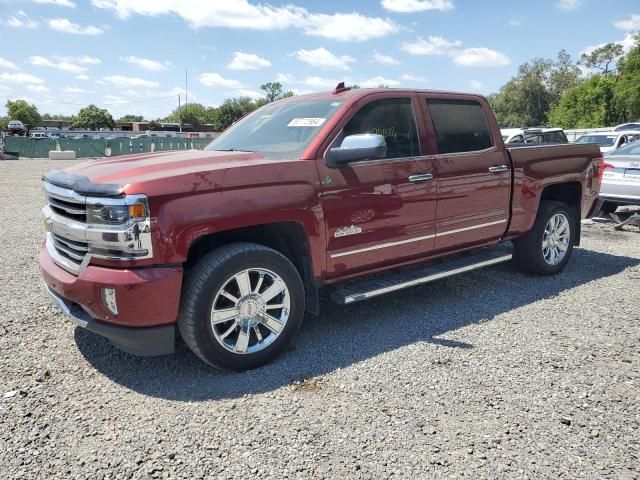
[{"x": 231, "y": 245}]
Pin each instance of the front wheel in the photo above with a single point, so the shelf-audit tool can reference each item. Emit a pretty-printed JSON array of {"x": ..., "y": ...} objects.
[
  {"x": 546, "y": 249},
  {"x": 242, "y": 306}
]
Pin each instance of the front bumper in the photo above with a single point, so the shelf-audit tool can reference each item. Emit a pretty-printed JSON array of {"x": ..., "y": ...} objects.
[
  {"x": 144, "y": 342},
  {"x": 148, "y": 301}
]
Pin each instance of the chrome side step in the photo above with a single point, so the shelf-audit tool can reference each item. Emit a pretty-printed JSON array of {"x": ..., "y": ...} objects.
[{"x": 356, "y": 292}]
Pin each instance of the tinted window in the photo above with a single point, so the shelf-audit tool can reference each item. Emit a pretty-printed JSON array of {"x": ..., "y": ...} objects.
[
  {"x": 460, "y": 125},
  {"x": 632, "y": 149},
  {"x": 393, "y": 119},
  {"x": 517, "y": 139}
]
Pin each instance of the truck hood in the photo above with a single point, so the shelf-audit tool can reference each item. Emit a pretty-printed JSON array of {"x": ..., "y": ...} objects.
[{"x": 131, "y": 173}]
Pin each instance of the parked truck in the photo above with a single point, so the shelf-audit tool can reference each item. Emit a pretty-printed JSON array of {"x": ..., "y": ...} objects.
[{"x": 231, "y": 246}]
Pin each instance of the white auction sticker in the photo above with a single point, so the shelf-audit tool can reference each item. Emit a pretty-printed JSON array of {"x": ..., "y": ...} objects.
[{"x": 306, "y": 122}]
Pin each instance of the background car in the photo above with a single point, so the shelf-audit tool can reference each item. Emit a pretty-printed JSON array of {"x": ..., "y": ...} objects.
[
  {"x": 533, "y": 135},
  {"x": 627, "y": 126},
  {"x": 621, "y": 179},
  {"x": 610, "y": 141}
]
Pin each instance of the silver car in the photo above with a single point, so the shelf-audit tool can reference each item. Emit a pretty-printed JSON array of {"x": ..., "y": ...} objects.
[{"x": 621, "y": 179}]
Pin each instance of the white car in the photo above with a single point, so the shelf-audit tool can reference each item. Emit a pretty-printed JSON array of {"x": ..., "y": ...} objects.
[
  {"x": 533, "y": 135},
  {"x": 15, "y": 125},
  {"x": 610, "y": 141},
  {"x": 39, "y": 135},
  {"x": 621, "y": 178}
]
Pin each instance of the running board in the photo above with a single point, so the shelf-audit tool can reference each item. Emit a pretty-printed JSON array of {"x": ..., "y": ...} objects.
[{"x": 356, "y": 292}]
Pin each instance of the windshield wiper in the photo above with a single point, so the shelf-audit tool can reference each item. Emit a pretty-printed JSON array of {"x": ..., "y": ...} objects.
[{"x": 231, "y": 150}]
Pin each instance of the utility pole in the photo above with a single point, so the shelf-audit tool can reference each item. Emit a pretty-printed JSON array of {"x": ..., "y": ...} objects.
[{"x": 179, "y": 117}]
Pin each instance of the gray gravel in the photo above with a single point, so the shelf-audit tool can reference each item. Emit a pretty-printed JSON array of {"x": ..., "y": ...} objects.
[{"x": 493, "y": 374}]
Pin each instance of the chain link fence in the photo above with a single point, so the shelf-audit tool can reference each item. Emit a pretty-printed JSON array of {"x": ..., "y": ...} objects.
[{"x": 27, "y": 147}]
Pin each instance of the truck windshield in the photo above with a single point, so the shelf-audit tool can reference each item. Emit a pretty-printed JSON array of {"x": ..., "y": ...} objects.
[
  {"x": 280, "y": 130},
  {"x": 602, "y": 140}
]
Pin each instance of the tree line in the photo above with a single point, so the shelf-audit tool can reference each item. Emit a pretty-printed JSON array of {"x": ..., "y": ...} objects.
[
  {"x": 92, "y": 117},
  {"x": 601, "y": 89}
]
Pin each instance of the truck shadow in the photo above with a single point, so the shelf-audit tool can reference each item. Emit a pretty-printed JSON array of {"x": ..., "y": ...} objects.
[{"x": 342, "y": 336}]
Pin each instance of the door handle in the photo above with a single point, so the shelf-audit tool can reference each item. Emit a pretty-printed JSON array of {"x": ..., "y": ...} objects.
[
  {"x": 498, "y": 168},
  {"x": 421, "y": 177}
]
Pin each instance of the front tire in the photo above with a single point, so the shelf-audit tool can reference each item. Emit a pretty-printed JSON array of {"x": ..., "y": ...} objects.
[
  {"x": 242, "y": 306},
  {"x": 547, "y": 248}
]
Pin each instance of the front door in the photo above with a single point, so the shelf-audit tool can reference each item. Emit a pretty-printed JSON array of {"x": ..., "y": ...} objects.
[
  {"x": 379, "y": 211},
  {"x": 473, "y": 173}
]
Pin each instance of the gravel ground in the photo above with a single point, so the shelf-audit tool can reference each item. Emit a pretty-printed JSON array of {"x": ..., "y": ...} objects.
[{"x": 493, "y": 374}]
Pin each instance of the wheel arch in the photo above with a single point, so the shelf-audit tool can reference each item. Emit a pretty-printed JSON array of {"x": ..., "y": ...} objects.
[
  {"x": 288, "y": 238},
  {"x": 569, "y": 193}
]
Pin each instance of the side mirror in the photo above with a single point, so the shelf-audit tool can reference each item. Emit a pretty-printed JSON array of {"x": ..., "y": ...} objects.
[{"x": 363, "y": 146}]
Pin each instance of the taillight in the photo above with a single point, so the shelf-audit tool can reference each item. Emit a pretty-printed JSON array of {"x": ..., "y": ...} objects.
[{"x": 602, "y": 166}]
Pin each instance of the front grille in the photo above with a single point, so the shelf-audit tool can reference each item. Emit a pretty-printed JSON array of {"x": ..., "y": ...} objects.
[
  {"x": 69, "y": 208},
  {"x": 70, "y": 249}
]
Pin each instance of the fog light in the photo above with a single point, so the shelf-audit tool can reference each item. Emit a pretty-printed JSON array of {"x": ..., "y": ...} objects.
[{"x": 109, "y": 299}]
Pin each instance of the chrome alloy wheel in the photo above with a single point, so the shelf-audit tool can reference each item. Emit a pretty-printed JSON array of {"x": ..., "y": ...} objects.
[
  {"x": 250, "y": 310},
  {"x": 556, "y": 238}
]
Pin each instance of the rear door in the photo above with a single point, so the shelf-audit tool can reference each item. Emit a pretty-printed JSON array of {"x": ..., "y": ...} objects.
[
  {"x": 379, "y": 212},
  {"x": 473, "y": 172}
]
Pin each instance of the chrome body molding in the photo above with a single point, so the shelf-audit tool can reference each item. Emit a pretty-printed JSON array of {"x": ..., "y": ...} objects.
[{"x": 415, "y": 239}]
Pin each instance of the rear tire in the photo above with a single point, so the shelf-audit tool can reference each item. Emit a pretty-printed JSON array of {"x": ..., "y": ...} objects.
[
  {"x": 547, "y": 248},
  {"x": 242, "y": 306}
]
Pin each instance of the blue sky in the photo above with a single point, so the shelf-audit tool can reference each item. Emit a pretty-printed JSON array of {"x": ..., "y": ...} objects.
[{"x": 130, "y": 56}]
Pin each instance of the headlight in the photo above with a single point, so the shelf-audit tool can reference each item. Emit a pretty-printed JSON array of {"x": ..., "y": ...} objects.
[{"x": 119, "y": 228}]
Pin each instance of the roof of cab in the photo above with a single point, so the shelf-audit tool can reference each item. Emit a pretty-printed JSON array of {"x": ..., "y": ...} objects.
[{"x": 355, "y": 93}]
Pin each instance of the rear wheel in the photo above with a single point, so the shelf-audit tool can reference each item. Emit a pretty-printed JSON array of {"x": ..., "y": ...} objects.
[
  {"x": 242, "y": 306},
  {"x": 546, "y": 249}
]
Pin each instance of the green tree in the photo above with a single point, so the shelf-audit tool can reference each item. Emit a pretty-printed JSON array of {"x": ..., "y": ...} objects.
[
  {"x": 564, "y": 75},
  {"x": 273, "y": 91},
  {"x": 92, "y": 118},
  {"x": 130, "y": 118},
  {"x": 628, "y": 87},
  {"x": 155, "y": 125},
  {"x": 602, "y": 57},
  {"x": 587, "y": 105},
  {"x": 20, "y": 110},
  {"x": 189, "y": 114},
  {"x": 232, "y": 110}
]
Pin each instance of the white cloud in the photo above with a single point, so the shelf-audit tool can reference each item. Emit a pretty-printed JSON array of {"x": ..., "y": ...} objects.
[
  {"x": 323, "y": 58},
  {"x": 8, "y": 64},
  {"x": 128, "y": 82},
  {"x": 20, "y": 20},
  {"x": 627, "y": 44},
  {"x": 405, "y": 6},
  {"x": 468, "y": 57},
  {"x": 413, "y": 78},
  {"x": 260, "y": 16},
  {"x": 515, "y": 22},
  {"x": 244, "y": 92},
  {"x": 476, "y": 86},
  {"x": 76, "y": 90},
  {"x": 348, "y": 27},
  {"x": 66, "y": 26},
  {"x": 20, "y": 78},
  {"x": 377, "y": 81},
  {"x": 319, "y": 83},
  {"x": 82, "y": 77},
  {"x": 248, "y": 61},
  {"x": 60, "y": 3},
  {"x": 5, "y": 88},
  {"x": 285, "y": 78},
  {"x": 383, "y": 59},
  {"x": 146, "y": 63},
  {"x": 59, "y": 65},
  {"x": 569, "y": 5},
  {"x": 432, "y": 46},
  {"x": 37, "y": 88},
  {"x": 82, "y": 59},
  {"x": 629, "y": 25},
  {"x": 216, "y": 80},
  {"x": 481, "y": 57}
]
